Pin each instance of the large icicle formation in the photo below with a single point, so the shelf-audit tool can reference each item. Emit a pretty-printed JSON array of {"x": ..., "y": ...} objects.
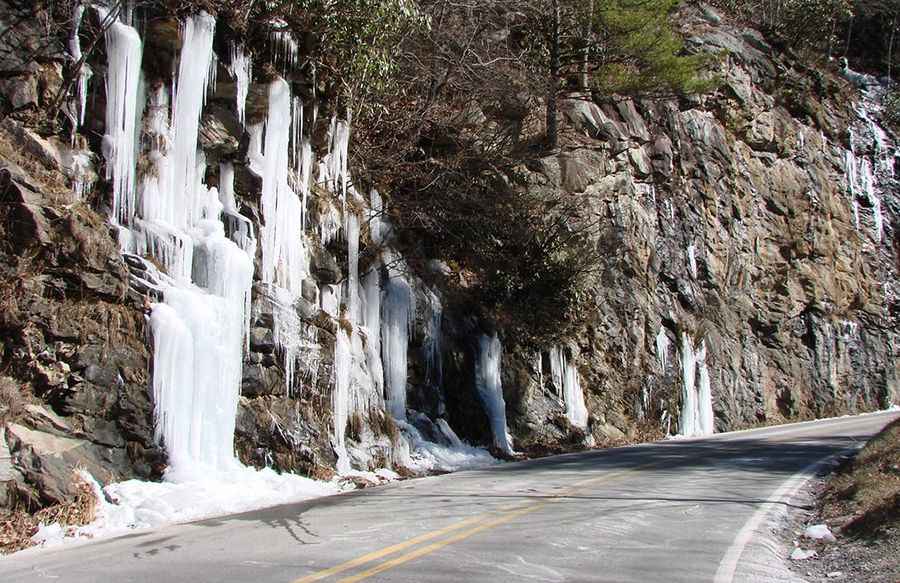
[
  {"x": 490, "y": 389},
  {"x": 285, "y": 257},
  {"x": 696, "y": 407},
  {"x": 867, "y": 177},
  {"x": 124, "y": 51},
  {"x": 565, "y": 379},
  {"x": 397, "y": 318},
  {"x": 205, "y": 251},
  {"x": 199, "y": 330}
]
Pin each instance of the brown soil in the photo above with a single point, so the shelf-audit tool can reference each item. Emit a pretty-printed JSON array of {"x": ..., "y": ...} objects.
[{"x": 860, "y": 502}]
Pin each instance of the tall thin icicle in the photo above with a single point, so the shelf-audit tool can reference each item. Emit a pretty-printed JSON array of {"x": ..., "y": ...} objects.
[
  {"x": 396, "y": 322},
  {"x": 340, "y": 400},
  {"x": 662, "y": 348},
  {"x": 372, "y": 321},
  {"x": 190, "y": 96},
  {"x": 352, "y": 230},
  {"x": 123, "y": 50},
  {"x": 285, "y": 259},
  {"x": 490, "y": 389},
  {"x": 84, "y": 72},
  {"x": 241, "y": 69}
]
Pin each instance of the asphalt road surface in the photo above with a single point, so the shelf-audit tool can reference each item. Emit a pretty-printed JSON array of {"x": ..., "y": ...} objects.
[{"x": 689, "y": 510}]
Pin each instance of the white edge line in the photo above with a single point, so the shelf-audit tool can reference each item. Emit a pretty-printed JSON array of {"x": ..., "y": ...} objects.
[{"x": 728, "y": 565}]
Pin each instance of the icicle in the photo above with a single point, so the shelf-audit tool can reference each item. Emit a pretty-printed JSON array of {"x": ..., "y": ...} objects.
[
  {"x": 123, "y": 53},
  {"x": 341, "y": 397},
  {"x": 284, "y": 46},
  {"x": 241, "y": 69},
  {"x": 662, "y": 348},
  {"x": 190, "y": 95},
  {"x": 335, "y": 169},
  {"x": 568, "y": 386},
  {"x": 372, "y": 321},
  {"x": 352, "y": 230},
  {"x": 687, "y": 425},
  {"x": 490, "y": 389},
  {"x": 692, "y": 259},
  {"x": 84, "y": 72},
  {"x": 285, "y": 259},
  {"x": 704, "y": 394},
  {"x": 396, "y": 306},
  {"x": 431, "y": 344},
  {"x": 329, "y": 224},
  {"x": 696, "y": 407}
]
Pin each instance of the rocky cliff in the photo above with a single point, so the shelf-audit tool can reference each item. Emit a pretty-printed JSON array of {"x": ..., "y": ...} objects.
[{"x": 747, "y": 245}]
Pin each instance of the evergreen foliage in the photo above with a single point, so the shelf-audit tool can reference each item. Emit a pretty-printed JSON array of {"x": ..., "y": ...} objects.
[{"x": 641, "y": 53}]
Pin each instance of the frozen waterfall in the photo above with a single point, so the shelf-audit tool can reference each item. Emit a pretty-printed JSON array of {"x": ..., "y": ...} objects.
[
  {"x": 696, "y": 407},
  {"x": 397, "y": 318},
  {"x": 565, "y": 379},
  {"x": 490, "y": 389},
  {"x": 200, "y": 328}
]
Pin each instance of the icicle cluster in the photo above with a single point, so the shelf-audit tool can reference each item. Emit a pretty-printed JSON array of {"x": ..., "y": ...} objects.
[
  {"x": 124, "y": 52},
  {"x": 397, "y": 317},
  {"x": 565, "y": 379},
  {"x": 867, "y": 178},
  {"x": 199, "y": 330}
]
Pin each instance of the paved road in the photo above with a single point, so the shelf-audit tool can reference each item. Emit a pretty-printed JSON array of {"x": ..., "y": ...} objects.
[{"x": 672, "y": 511}]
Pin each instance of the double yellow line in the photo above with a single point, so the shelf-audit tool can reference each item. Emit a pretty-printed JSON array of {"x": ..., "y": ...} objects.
[{"x": 459, "y": 531}]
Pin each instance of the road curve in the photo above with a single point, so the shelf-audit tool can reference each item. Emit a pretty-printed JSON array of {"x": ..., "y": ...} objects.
[{"x": 669, "y": 511}]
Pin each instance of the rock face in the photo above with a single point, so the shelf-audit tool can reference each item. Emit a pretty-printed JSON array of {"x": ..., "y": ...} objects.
[
  {"x": 73, "y": 339},
  {"x": 739, "y": 225}
]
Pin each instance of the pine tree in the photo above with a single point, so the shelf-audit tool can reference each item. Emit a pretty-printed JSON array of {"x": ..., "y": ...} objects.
[{"x": 611, "y": 46}]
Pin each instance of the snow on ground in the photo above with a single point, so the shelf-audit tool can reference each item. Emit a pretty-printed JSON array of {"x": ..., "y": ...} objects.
[{"x": 125, "y": 507}]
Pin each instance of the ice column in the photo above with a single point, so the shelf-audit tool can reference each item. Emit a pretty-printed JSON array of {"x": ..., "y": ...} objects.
[
  {"x": 696, "y": 407},
  {"x": 565, "y": 378},
  {"x": 352, "y": 231},
  {"x": 84, "y": 72},
  {"x": 340, "y": 400},
  {"x": 397, "y": 308},
  {"x": 200, "y": 329},
  {"x": 123, "y": 50},
  {"x": 372, "y": 321},
  {"x": 662, "y": 348},
  {"x": 285, "y": 260},
  {"x": 490, "y": 389}
]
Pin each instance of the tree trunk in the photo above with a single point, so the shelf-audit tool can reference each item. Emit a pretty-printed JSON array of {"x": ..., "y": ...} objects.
[
  {"x": 553, "y": 77},
  {"x": 585, "y": 55},
  {"x": 890, "y": 54},
  {"x": 849, "y": 36}
]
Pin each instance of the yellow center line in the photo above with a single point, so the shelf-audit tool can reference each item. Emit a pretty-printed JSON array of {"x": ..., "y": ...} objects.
[
  {"x": 374, "y": 555},
  {"x": 428, "y": 549},
  {"x": 478, "y": 523}
]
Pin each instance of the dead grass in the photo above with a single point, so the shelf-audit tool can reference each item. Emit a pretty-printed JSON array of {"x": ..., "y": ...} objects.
[
  {"x": 12, "y": 401},
  {"x": 383, "y": 424},
  {"x": 866, "y": 491},
  {"x": 18, "y": 526}
]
